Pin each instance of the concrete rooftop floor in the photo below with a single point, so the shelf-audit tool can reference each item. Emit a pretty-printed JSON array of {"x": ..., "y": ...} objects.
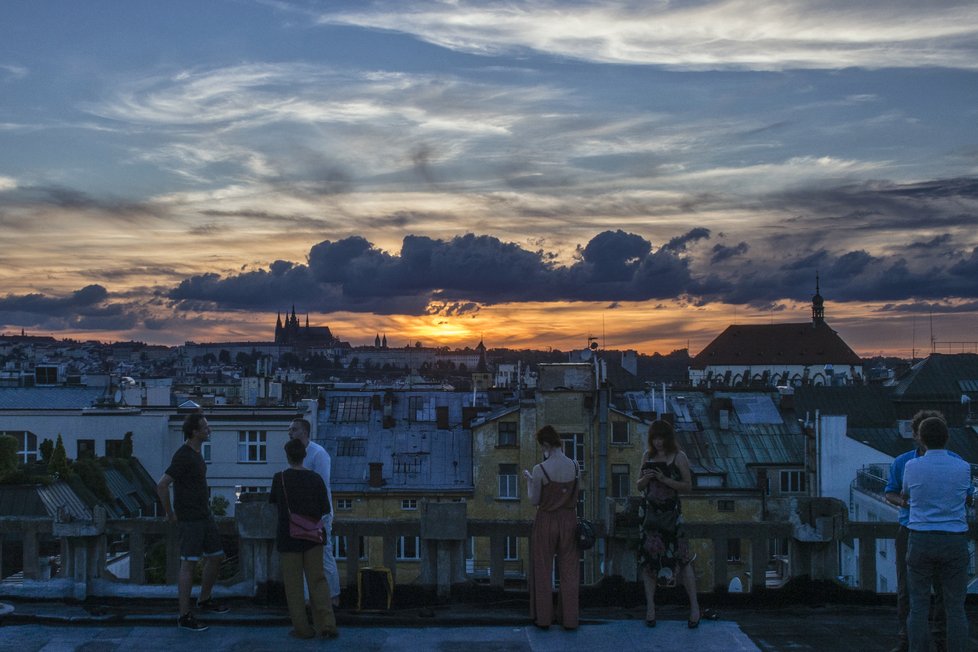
[{"x": 147, "y": 627}]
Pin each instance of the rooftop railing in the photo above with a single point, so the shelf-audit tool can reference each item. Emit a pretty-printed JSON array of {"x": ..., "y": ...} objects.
[{"x": 139, "y": 557}]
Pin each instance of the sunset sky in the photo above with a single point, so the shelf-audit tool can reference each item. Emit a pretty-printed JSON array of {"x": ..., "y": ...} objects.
[{"x": 528, "y": 172}]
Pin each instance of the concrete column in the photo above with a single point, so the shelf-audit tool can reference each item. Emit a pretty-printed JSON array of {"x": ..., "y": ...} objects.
[
  {"x": 31, "y": 569},
  {"x": 758, "y": 563},
  {"x": 390, "y": 556},
  {"x": 137, "y": 558},
  {"x": 497, "y": 559},
  {"x": 867, "y": 563},
  {"x": 720, "y": 553}
]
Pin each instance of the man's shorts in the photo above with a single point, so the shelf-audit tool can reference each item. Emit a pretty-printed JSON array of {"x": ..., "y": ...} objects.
[{"x": 199, "y": 539}]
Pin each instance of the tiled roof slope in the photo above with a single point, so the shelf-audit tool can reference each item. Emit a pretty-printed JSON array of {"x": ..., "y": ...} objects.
[
  {"x": 773, "y": 344},
  {"x": 417, "y": 455},
  {"x": 865, "y": 406},
  {"x": 732, "y": 451},
  {"x": 48, "y": 398},
  {"x": 939, "y": 377}
]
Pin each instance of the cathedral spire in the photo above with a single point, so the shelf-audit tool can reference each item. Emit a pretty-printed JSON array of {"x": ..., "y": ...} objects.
[{"x": 818, "y": 305}]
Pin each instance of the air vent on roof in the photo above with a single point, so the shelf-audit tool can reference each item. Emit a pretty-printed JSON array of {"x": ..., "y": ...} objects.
[{"x": 906, "y": 430}]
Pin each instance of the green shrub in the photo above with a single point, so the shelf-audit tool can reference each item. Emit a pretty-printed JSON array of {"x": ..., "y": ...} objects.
[
  {"x": 58, "y": 467},
  {"x": 47, "y": 449}
]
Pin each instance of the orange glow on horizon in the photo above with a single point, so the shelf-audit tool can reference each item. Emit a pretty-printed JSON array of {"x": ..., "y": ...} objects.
[{"x": 646, "y": 327}]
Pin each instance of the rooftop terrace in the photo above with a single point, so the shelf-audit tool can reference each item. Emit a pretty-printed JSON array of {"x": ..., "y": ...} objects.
[{"x": 88, "y": 607}]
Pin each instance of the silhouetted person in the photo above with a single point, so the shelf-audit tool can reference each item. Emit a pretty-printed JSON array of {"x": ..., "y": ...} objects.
[
  {"x": 893, "y": 496},
  {"x": 298, "y": 490},
  {"x": 937, "y": 486},
  {"x": 199, "y": 537},
  {"x": 553, "y": 487},
  {"x": 318, "y": 460}
]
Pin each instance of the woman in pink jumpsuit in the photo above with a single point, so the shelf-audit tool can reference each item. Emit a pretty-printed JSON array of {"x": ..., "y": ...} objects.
[{"x": 552, "y": 487}]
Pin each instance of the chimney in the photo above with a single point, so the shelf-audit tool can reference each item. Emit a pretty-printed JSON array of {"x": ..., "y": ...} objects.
[{"x": 376, "y": 479}]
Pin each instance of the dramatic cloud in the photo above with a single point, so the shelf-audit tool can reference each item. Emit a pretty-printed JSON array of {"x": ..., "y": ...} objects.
[
  {"x": 444, "y": 169},
  {"x": 726, "y": 34}
]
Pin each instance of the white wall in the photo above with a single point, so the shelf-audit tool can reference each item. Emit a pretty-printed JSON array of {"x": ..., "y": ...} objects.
[
  {"x": 148, "y": 430},
  {"x": 839, "y": 457}
]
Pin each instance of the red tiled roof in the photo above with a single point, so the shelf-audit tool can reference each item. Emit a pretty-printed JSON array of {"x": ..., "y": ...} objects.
[{"x": 773, "y": 344}]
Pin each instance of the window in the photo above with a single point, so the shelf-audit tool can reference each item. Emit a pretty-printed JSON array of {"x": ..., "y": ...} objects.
[
  {"x": 251, "y": 446},
  {"x": 508, "y": 477},
  {"x": 205, "y": 452},
  {"x": 27, "y": 443},
  {"x": 421, "y": 408},
  {"x": 252, "y": 489},
  {"x": 86, "y": 449},
  {"x": 344, "y": 504},
  {"x": 574, "y": 448},
  {"x": 512, "y": 549},
  {"x": 347, "y": 409},
  {"x": 409, "y": 504},
  {"x": 113, "y": 448},
  {"x": 620, "y": 484},
  {"x": 507, "y": 433},
  {"x": 407, "y": 463},
  {"x": 619, "y": 432},
  {"x": 351, "y": 447},
  {"x": 441, "y": 416},
  {"x": 733, "y": 550},
  {"x": 792, "y": 482},
  {"x": 725, "y": 505},
  {"x": 341, "y": 549},
  {"x": 408, "y": 548}
]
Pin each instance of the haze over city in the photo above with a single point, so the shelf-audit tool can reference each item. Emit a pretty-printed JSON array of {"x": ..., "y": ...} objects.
[{"x": 529, "y": 173}]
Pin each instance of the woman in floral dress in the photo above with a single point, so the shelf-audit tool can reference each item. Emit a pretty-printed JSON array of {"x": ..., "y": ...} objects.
[{"x": 663, "y": 553}]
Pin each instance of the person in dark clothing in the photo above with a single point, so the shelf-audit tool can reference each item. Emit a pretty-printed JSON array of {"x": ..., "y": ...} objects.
[
  {"x": 190, "y": 510},
  {"x": 664, "y": 554},
  {"x": 301, "y": 491}
]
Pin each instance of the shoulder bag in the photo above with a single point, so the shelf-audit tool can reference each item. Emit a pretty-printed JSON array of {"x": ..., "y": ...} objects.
[{"x": 302, "y": 527}]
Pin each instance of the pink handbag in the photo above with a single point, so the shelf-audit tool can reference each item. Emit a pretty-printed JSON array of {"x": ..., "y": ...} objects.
[{"x": 302, "y": 527}]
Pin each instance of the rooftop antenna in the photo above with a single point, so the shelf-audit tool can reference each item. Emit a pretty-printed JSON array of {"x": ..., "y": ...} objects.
[
  {"x": 933, "y": 342},
  {"x": 913, "y": 340}
]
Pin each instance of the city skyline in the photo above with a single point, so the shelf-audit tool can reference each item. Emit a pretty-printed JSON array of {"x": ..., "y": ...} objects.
[{"x": 531, "y": 173}]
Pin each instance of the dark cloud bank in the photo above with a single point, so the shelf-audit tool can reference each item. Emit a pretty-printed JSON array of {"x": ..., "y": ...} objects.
[{"x": 930, "y": 264}]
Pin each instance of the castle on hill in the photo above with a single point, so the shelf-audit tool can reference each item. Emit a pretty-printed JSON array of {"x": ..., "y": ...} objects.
[{"x": 292, "y": 333}]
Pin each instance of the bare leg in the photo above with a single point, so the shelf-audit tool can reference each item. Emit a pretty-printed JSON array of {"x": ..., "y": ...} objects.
[
  {"x": 689, "y": 581},
  {"x": 212, "y": 566},
  {"x": 649, "y": 583},
  {"x": 185, "y": 584}
]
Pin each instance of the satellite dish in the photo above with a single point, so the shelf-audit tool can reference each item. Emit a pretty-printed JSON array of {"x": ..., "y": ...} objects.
[
  {"x": 594, "y": 346},
  {"x": 117, "y": 396},
  {"x": 586, "y": 354}
]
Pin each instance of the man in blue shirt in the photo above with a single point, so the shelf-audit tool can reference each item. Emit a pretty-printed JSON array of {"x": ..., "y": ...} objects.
[
  {"x": 937, "y": 487},
  {"x": 893, "y": 496}
]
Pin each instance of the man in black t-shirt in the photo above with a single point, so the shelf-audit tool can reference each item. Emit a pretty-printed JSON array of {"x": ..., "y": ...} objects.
[{"x": 190, "y": 510}]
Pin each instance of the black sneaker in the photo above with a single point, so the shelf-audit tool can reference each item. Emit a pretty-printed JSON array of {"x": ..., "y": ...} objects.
[
  {"x": 187, "y": 621},
  {"x": 211, "y": 605}
]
